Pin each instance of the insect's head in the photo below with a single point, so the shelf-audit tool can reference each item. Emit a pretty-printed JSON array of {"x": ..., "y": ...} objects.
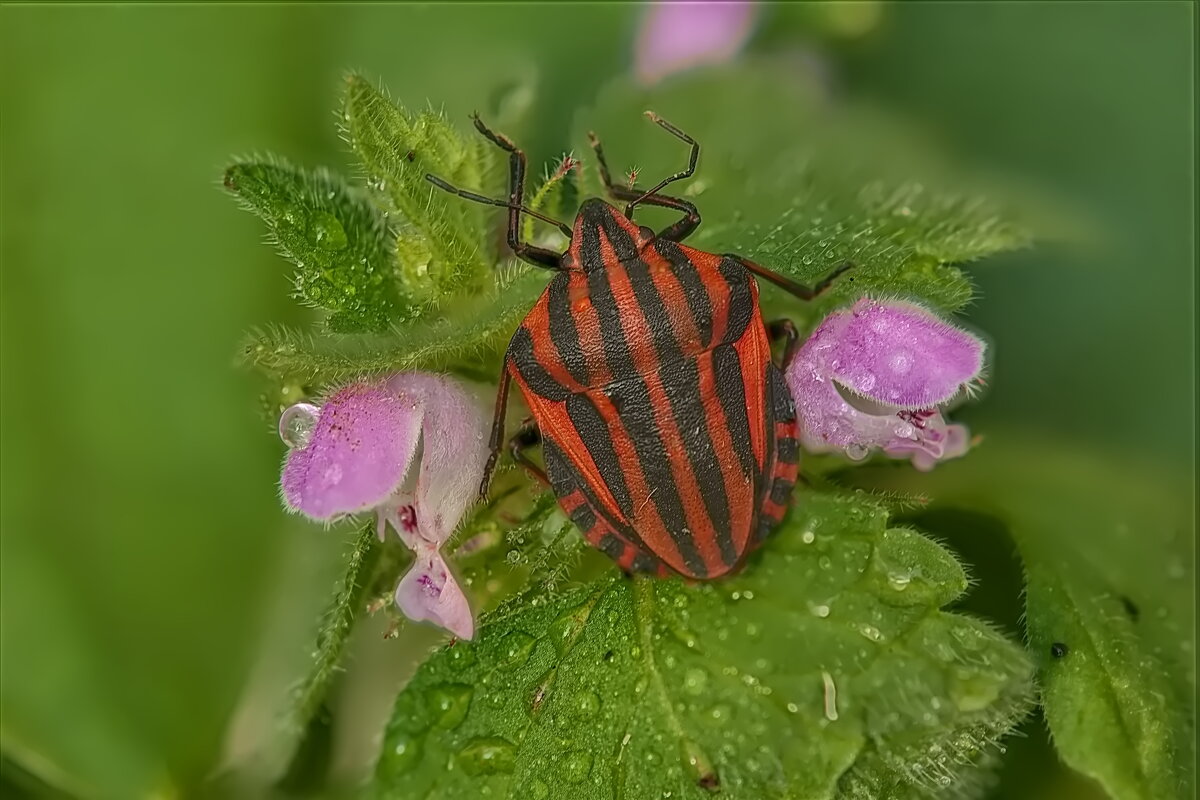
[{"x": 604, "y": 235}]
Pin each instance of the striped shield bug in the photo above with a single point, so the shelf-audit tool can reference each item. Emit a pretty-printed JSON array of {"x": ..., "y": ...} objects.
[{"x": 668, "y": 433}]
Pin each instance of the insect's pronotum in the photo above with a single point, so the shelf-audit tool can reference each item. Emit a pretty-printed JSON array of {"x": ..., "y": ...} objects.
[{"x": 668, "y": 433}]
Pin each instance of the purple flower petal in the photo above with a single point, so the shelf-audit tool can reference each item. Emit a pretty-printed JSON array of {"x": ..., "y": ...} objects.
[
  {"x": 356, "y": 454},
  {"x": 454, "y": 450},
  {"x": 902, "y": 355},
  {"x": 858, "y": 377},
  {"x": 938, "y": 443},
  {"x": 430, "y": 592},
  {"x": 677, "y": 36}
]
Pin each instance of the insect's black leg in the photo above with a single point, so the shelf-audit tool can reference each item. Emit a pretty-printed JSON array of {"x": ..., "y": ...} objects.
[
  {"x": 784, "y": 329},
  {"x": 678, "y": 176},
  {"x": 497, "y": 438},
  {"x": 516, "y": 192},
  {"x": 528, "y": 436},
  {"x": 538, "y": 256},
  {"x": 786, "y": 283},
  {"x": 676, "y": 232}
]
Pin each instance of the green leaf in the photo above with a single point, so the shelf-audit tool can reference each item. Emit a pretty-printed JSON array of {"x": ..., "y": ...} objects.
[
  {"x": 468, "y": 336},
  {"x": 801, "y": 186},
  {"x": 338, "y": 240},
  {"x": 444, "y": 239},
  {"x": 825, "y": 669},
  {"x": 1108, "y": 552}
]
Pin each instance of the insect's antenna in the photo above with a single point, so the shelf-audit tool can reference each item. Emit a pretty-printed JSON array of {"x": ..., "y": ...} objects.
[
  {"x": 478, "y": 198},
  {"x": 678, "y": 176}
]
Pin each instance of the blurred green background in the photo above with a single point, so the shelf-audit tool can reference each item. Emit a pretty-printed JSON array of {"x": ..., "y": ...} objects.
[{"x": 156, "y": 600}]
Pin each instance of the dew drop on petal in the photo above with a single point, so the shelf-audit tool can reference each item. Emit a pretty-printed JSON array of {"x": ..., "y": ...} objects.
[
  {"x": 296, "y": 425},
  {"x": 856, "y": 451}
]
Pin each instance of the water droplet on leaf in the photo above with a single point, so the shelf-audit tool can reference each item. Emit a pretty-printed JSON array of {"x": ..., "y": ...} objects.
[
  {"x": 401, "y": 754},
  {"x": 449, "y": 704},
  {"x": 695, "y": 681},
  {"x": 537, "y": 790},
  {"x": 973, "y": 691},
  {"x": 871, "y": 632},
  {"x": 586, "y": 704},
  {"x": 515, "y": 649},
  {"x": 577, "y": 766},
  {"x": 326, "y": 232},
  {"x": 487, "y": 756}
]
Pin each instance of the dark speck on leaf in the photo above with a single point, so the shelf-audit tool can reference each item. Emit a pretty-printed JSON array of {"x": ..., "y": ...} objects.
[
  {"x": 1058, "y": 649},
  {"x": 608, "y": 656},
  {"x": 710, "y": 781},
  {"x": 1131, "y": 608}
]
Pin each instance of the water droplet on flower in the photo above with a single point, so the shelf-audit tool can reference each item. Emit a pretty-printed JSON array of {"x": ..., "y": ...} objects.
[
  {"x": 487, "y": 756},
  {"x": 856, "y": 451},
  {"x": 577, "y": 766},
  {"x": 296, "y": 425}
]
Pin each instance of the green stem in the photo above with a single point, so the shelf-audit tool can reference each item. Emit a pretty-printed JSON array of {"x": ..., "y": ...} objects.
[{"x": 337, "y": 622}]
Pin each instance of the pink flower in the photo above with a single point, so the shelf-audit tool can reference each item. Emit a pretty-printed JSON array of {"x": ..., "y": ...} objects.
[
  {"x": 876, "y": 376},
  {"x": 410, "y": 448},
  {"x": 675, "y": 36}
]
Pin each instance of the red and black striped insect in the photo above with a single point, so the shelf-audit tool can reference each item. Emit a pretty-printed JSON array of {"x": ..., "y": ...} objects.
[{"x": 668, "y": 434}]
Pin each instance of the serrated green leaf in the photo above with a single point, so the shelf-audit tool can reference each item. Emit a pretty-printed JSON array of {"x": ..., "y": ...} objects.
[
  {"x": 1109, "y": 550},
  {"x": 398, "y": 148},
  {"x": 338, "y": 240},
  {"x": 801, "y": 186},
  {"x": 468, "y": 336},
  {"x": 825, "y": 669}
]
